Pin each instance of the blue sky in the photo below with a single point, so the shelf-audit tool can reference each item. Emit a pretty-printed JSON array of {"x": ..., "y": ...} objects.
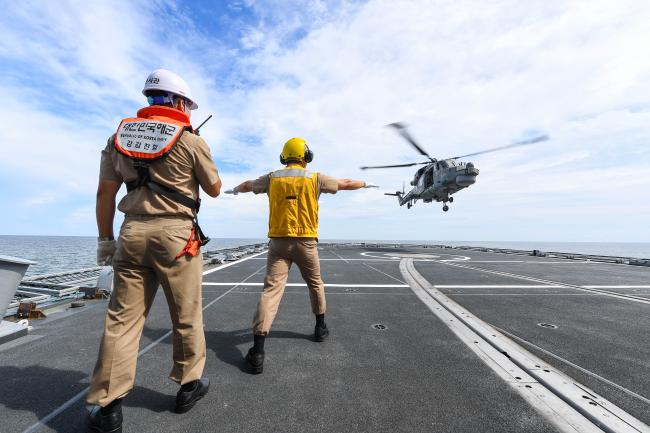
[{"x": 465, "y": 75}]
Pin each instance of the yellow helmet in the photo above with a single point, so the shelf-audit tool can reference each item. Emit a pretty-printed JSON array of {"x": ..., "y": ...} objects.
[{"x": 296, "y": 148}]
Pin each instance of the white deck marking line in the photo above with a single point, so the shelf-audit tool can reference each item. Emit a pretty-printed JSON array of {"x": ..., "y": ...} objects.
[
  {"x": 522, "y": 294},
  {"x": 431, "y": 254},
  {"x": 339, "y": 256},
  {"x": 566, "y": 285},
  {"x": 530, "y": 286},
  {"x": 558, "y": 412},
  {"x": 343, "y": 260},
  {"x": 498, "y": 261},
  {"x": 382, "y": 272},
  {"x": 209, "y": 271},
  {"x": 577, "y": 367},
  {"x": 47, "y": 418},
  {"x": 539, "y": 262},
  {"x": 305, "y": 285},
  {"x": 580, "y": 408},
  {"x": 499, "y": 286},
  {"x": 333, "y": 293}
]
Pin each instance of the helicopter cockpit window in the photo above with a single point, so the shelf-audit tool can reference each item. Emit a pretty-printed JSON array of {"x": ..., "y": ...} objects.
[{"x": 428, "y": 178}]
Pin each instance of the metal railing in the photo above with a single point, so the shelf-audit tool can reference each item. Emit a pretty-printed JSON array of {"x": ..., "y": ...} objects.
[{"x": 55, "y": 288}]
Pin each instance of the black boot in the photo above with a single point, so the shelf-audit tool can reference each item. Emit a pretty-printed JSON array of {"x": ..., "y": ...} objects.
[
  {"x": 190, "y": 393},
  {"x": 255, "y": 355},
  {"x": 320, "y": 330},
  {"x": 107, "y": 419}
]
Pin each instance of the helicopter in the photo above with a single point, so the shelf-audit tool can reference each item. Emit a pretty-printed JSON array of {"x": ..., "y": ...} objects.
[{"x": 439, "y": 179}]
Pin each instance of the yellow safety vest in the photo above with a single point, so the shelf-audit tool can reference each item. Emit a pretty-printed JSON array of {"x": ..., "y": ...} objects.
[{"x": 293, "y": 203}]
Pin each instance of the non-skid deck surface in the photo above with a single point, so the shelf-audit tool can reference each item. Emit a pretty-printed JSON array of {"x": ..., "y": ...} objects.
[{"x": 412, "y": 376}]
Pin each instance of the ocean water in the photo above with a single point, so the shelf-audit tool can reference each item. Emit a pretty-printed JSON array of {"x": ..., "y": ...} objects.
[{"x": 64, "y": 253}]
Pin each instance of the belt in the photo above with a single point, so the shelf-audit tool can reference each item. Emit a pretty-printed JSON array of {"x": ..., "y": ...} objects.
[{"x": 151, "y": 217}]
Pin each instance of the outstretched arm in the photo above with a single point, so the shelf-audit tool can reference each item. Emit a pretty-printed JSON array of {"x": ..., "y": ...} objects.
[
  {"x": 258, "y": 186},
  {"x": 351, "y": 184},
  {"x": 246, "y": 186}
]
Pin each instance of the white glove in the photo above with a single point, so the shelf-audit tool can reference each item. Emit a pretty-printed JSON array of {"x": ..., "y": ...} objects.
[
  {"x": 232, "y": 191},
  {"x": 370, "y": 185},
  {"x": 105, "y": 252}
]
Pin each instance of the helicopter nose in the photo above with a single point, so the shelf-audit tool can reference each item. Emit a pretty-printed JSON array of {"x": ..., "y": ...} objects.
[
  {"x": 468, "y": 177},
  {"x": 465, "y": 180}
]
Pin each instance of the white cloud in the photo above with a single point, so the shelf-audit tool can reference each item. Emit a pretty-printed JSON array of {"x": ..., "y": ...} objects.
[
  {"x": 466, "y": 78},
  {"x": 464, "y": 75},
  {"x": 39, "y": 200}
]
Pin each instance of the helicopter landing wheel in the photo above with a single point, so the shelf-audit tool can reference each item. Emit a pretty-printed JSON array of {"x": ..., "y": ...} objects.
[
  {"x": 451, "y": 199},
  {"x": 409, "y": 205},
  {"x": 445, "y": 208}
]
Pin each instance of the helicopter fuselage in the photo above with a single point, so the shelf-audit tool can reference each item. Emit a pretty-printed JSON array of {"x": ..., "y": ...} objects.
[{"x": 438, "y": 180}]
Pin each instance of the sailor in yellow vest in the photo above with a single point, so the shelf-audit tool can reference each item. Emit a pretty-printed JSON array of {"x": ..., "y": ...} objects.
[
  {"x": 293, "y": 231},
  {"x": 163, "y": 162}
]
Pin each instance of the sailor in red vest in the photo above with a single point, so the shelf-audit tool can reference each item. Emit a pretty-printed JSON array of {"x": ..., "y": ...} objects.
[{"x": 162, "y": 162}]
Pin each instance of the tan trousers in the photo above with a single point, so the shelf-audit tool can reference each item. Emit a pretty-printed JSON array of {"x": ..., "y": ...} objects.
[
  {"x": 282, "y": 253},
  {"x": 145, "y": 259}
]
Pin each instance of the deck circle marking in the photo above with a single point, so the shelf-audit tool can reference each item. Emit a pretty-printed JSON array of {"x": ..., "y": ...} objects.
[
  {"x": 548, "y": 325},
  {"x": 419, "y": 257},
  {"x": 379, "y": 327}
]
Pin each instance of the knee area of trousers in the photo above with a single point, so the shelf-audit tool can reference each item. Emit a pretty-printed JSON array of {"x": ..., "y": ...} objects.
[{"x": 188, "y": 325}]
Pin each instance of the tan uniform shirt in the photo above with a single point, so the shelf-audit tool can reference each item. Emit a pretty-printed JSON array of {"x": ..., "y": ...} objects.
[
  {"x": 326, "y": 184},
  {"x": 188, "y": 165}
]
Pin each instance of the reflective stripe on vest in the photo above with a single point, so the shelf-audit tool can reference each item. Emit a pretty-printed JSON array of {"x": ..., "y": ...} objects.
[
  {"x": 293, "y": 203},
  {"x": 291, "y": 172}
]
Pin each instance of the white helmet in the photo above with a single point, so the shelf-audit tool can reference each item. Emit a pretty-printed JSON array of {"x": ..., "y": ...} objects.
[{"x": 162, "y": 79}]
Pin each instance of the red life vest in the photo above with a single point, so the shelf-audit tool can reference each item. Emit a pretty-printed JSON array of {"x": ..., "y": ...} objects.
[{"x": 152, "y": 134}]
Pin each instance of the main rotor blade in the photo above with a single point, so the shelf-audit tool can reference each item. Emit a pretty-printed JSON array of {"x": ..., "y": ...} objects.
[
  {"x": 401, "y": 129},
  {"x": 509, "y": 146},
  {"x": 410, "y": 164}
]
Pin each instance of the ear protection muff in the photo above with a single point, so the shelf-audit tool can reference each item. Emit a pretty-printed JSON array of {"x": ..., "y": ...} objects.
[{"x": 309, "y": 156}]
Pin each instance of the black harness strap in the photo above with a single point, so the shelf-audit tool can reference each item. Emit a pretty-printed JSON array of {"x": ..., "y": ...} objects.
[{"x": 144, "y": 180}]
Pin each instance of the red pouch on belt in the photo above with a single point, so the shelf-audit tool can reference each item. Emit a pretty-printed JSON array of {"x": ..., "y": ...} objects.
[{"x": 192, "y": 246}]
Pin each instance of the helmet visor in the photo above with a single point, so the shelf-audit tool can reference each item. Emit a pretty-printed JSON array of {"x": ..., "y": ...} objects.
[{"x": 161, "y": 99}]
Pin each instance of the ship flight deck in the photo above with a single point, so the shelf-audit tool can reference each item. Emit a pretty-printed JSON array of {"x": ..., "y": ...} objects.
[{"x": 422, "y": 340}]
